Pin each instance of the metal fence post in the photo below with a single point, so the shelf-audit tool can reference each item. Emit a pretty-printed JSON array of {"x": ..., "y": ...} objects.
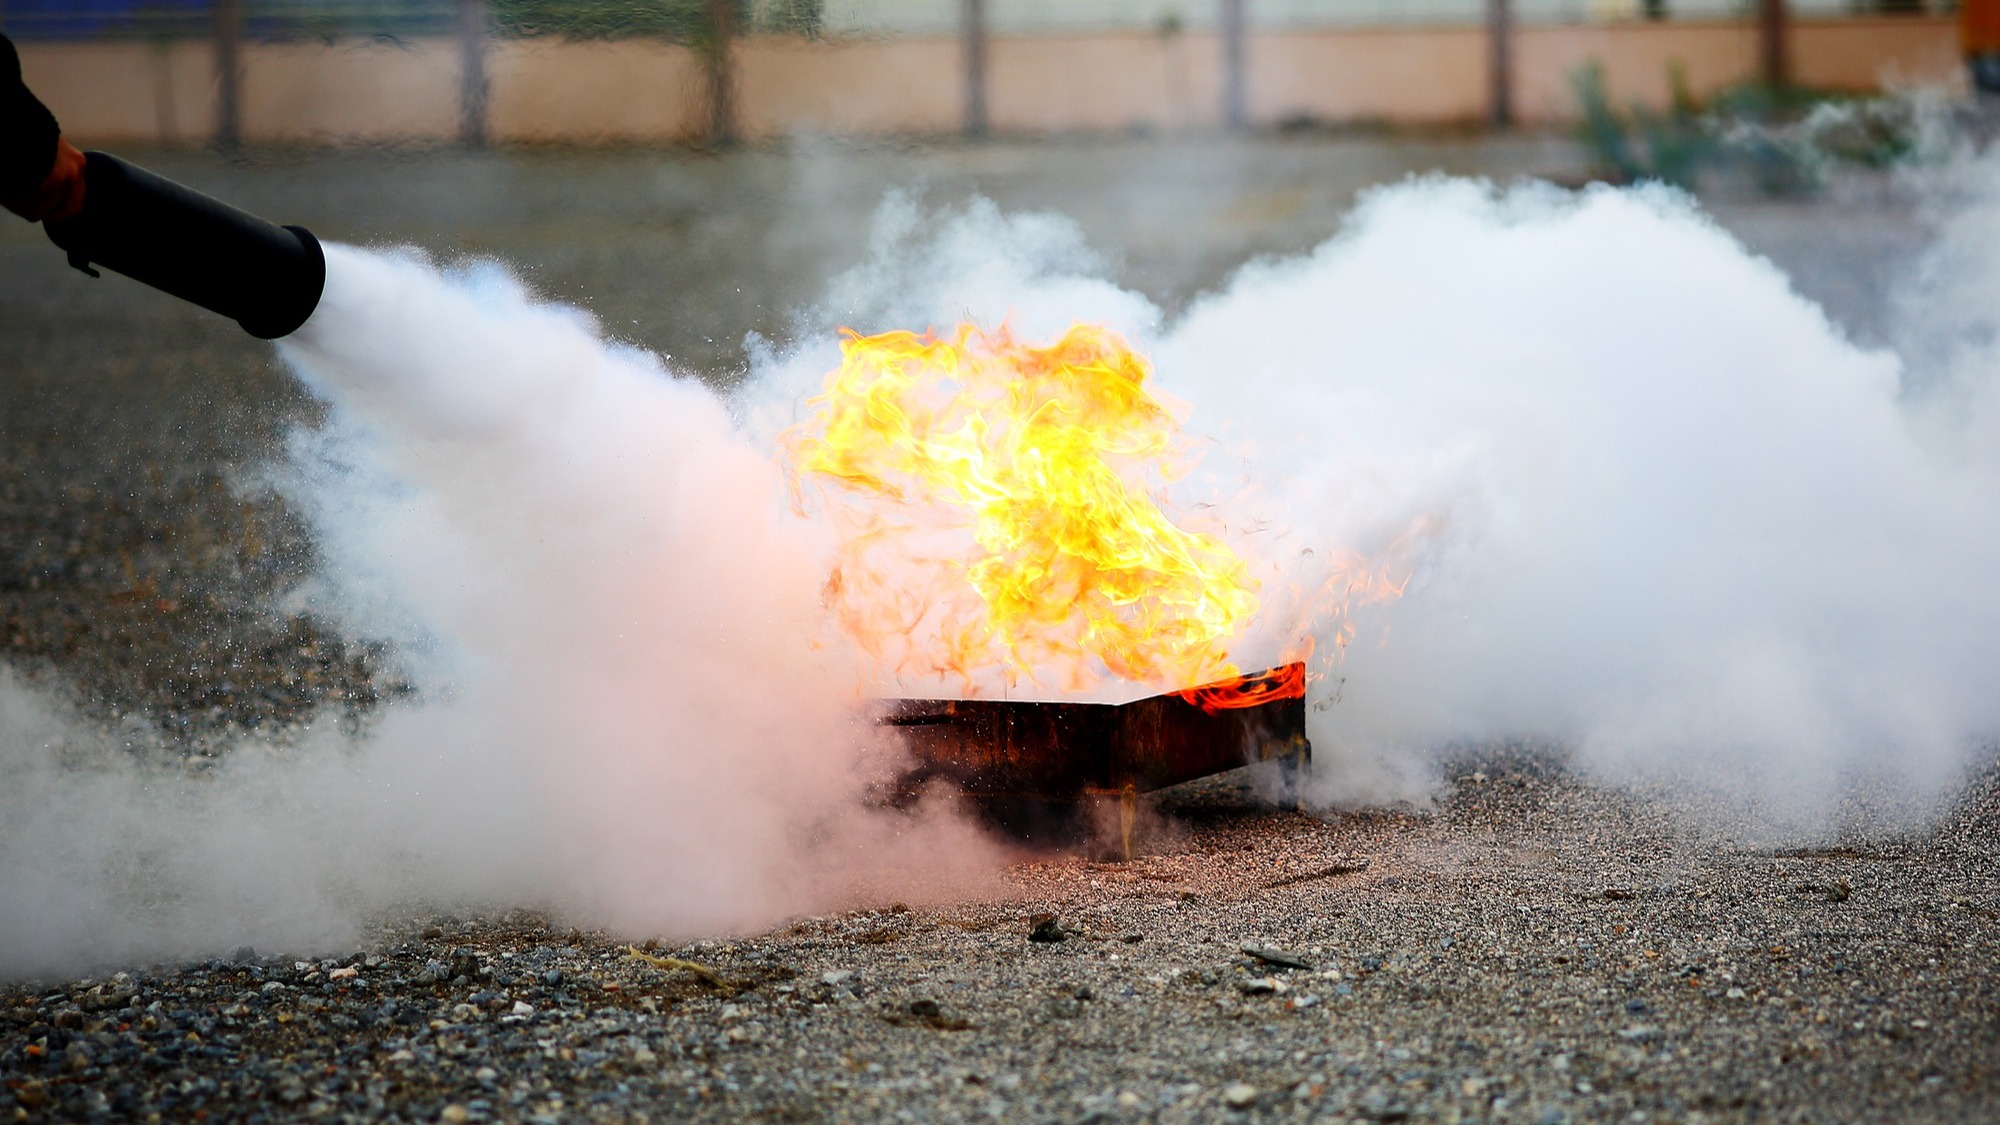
[
  {"x": 472, "y": 84},
  {"x": 1500, "y": 63},
  {"x": 721, "y": 76},
  {"x": 228, "y": 29},
  {"x": 1773, "y": 51},
  {"x": 1235, "y": 112},
  {"x": 972, "y": 17}
]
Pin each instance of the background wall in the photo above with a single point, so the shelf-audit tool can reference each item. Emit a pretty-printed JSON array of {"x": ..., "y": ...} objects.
[
  {"x": 555, "y": 91},
  {"x": 549, "y": 90}
]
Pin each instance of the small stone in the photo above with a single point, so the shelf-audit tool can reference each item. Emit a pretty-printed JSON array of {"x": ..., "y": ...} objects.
[
  {"x": 523, "y": 1008},
  {"x": 485, "y": 1075},
  {"x": 1259, "y": 986},
  {"x": 1641, "y": 1034},
  {"x": 925, "y": 1009},
  {"x": 1241, "y": 1095},
  {"x": 454, "y": 1114},
  {"x": 345, "y": 972},
  {"x": 835, "y": 977},
  {"x": 1064, "y": 1007},
  {"x": 1277, "y": 957},
  {"x": 1735, "y": 994},
  {"x": 1045, "y": 928}
]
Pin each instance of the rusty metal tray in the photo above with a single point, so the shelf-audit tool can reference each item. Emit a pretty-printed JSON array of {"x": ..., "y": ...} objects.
[{"x": 1017, "y": 759}]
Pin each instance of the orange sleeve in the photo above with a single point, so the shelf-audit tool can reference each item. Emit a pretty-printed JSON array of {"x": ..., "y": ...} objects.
[{"x": 1979, "y": 26}]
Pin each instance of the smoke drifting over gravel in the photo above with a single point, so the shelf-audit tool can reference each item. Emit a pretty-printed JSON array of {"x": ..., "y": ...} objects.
[
  {"x": 288, "y": 847},
  {"x": 1651, "y": 505}
]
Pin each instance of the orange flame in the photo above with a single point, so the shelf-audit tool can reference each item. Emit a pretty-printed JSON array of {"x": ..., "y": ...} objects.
[
  {"x": 1352, "y": 581},
  {"x": 1239, "y": 692},
  {"x": 1030, "y": 476}
]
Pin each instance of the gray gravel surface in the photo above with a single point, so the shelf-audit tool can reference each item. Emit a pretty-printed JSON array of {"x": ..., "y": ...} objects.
[{"x": 1536, "y": 948}]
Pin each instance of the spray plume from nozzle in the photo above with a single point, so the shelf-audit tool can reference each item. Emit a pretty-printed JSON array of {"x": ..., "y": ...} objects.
[{"x": 265, "y": 277}]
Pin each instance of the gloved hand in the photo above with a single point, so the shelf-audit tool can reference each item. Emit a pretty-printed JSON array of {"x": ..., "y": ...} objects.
[{"x": 61, "y": 193}]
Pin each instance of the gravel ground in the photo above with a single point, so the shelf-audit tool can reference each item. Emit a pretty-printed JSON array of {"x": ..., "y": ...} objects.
[
  {"x": 1538, "y": 947},
  {"x": 1535, "y": 949}
]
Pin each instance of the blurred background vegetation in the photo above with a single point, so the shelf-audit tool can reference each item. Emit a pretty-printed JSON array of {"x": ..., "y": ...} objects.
[{"x": 1779, "y": 139}]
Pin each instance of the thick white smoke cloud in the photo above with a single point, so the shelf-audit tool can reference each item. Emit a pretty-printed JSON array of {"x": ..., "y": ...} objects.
[
  {"x": 1672, "y": 516},
  {"x": 1652, "y": 504},
  {"x": 623, "y": 609},
  {"x": 630, "y": 712}
]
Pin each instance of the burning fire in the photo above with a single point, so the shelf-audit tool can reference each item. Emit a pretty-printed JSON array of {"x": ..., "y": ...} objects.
[
  {"x": 1029, "y": 477},
  {"x": 1288, "y": 681}
]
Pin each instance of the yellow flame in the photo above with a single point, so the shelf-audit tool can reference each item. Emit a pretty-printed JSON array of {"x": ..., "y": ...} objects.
[{"x": 1032, "y": 476}]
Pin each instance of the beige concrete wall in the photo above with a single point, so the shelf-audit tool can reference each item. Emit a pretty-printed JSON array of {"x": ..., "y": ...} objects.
[
  {"x": 1849, "y": 54},
  {"x": 1636, "y": 58},
  {"x": 582, "y": 93},
  {"x": 641, "y": 91},
  {"x": 126, "y": 93},
  {"x": 786, "y": 85},
  {"x": 1104, "y": 81},
  {"x": 1872, "y": 54},
  {"x": 1386, "y": 74},
  {"x": 366, "y": 92}
]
